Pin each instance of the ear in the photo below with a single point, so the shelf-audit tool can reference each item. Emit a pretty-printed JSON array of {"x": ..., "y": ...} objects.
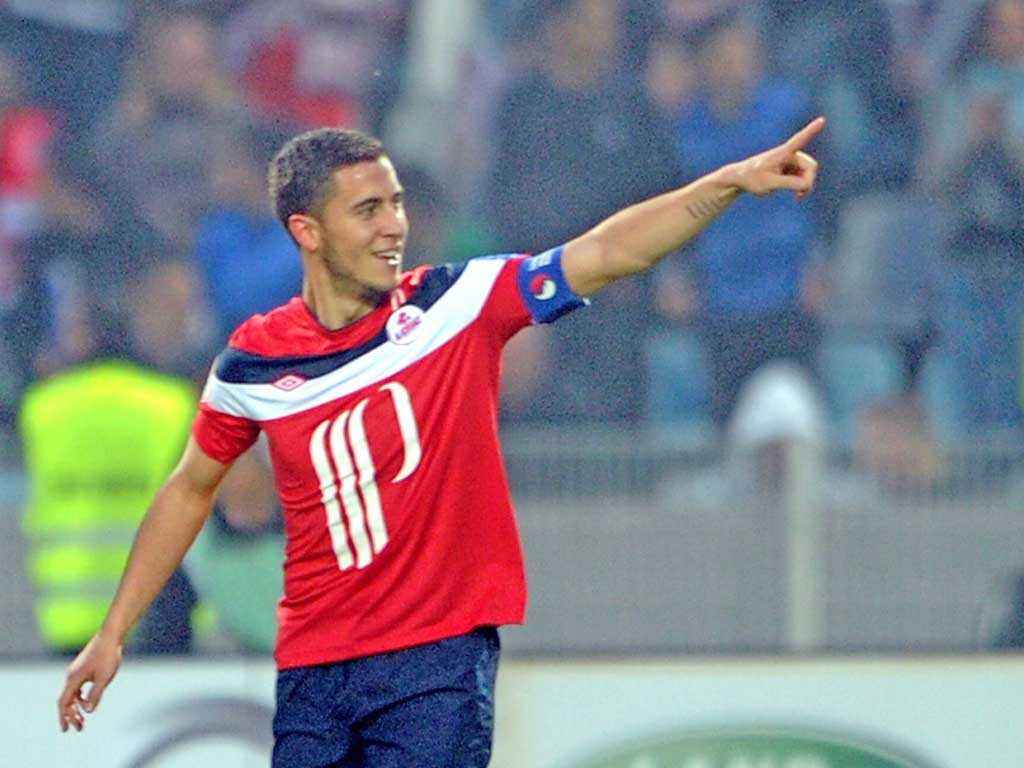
[{"x": 305, "y": 230}]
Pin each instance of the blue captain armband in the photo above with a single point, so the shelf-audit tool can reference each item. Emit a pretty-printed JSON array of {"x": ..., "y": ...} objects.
[{"x": 544, "y": 288}]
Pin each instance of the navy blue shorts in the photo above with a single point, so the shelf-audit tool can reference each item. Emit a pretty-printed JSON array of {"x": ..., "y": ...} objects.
[{"x": 428, "y": 706}]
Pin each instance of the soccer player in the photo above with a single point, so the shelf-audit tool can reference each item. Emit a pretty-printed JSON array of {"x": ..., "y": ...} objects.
[{"x": 378, "y": 392}]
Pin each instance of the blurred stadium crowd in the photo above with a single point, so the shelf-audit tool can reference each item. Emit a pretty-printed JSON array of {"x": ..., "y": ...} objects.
[{"x": 134, "y": 138}]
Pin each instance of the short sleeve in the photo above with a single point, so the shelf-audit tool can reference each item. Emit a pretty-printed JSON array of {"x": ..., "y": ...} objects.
[
  {"x": 221, "y": 436},
  {"x": 530, "y": 290}
]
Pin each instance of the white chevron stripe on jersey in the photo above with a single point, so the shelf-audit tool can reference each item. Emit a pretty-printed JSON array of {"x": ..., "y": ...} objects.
[
  {"x": 450, "y": 315},
  {"x": 329, "y": 496}
]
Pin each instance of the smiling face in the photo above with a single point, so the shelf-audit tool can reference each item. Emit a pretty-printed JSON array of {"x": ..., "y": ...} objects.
[{"x": 358, "y": 233}]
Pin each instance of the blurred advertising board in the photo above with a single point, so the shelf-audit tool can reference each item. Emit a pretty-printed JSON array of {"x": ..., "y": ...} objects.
[{"x": 937, "y": 712}]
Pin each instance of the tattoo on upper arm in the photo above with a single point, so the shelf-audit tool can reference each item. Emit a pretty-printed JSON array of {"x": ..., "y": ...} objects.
[{"x": 708, "y": 208}]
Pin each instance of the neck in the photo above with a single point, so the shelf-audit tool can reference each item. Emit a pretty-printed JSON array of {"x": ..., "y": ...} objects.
[{"x": 337, "y": 303}]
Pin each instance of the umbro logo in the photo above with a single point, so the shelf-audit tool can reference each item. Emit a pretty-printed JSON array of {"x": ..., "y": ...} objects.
[{"x": 289, "y": 381}]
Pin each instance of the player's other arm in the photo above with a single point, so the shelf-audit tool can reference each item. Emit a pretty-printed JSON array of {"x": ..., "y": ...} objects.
[
  {"x": 635, "y": 238},
  {"x": 168, "y": 529}
]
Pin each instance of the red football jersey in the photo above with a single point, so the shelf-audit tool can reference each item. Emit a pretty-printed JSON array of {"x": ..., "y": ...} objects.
[{"x": 384, "y": 441}]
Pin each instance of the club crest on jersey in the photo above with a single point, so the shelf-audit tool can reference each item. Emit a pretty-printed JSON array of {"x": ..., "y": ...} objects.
[
  {"x": 404, "y": 324},
  {"x": 289, "y": 381},
  {"x": 542, "y": 287}
]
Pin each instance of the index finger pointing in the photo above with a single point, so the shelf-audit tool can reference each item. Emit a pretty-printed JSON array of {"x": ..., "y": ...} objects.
[{"x": 803, "y": 137}]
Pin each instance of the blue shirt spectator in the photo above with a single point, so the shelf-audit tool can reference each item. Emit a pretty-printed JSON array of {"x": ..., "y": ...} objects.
[
  {"x": 743, "y": 269},
  {"x": 756, "y": 293},
  {"x": 233, "y": 242},
  {"x": 975, "y": 165},
  {"x": 240, "y": 236}
]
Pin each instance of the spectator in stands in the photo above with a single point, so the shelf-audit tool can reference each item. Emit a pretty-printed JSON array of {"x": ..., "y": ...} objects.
[
  {"x": 27, "y": 132},
  {"x": 757, "y": 290},
  {"x": 319, "y": 62},
  {"x": 78, "y": 47},
  {"x": 779, "y": 410},
  {"x": 975, "y": 162},
  {"x": 677, "y": 397},
  {"x": 86, "y": 256},
  {"x": 897, "y": 446},
  {"x": 99, "y": 437},
  {"x": 240, "y": 235},
  {"x": 778, "y": 420},
  {"x": 579, "y": 115},
  {"x": 863, "y": 61},
  {"x": 848, "y": 60},
  {"x": 152, "y": 151},
  {"x": 168, "y": 295}
]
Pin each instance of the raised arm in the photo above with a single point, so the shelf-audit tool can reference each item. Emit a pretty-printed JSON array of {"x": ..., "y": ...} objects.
[
  {"x": 168, "y": 529},
  {"x": 637, "y": 237}
]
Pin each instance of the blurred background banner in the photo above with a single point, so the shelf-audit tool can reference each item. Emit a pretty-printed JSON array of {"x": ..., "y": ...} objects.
[
  {"x": 872, "y": 712},
  {"x": 800, "y": 437}
]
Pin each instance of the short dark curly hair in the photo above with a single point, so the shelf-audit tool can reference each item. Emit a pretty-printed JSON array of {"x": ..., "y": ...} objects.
[{"x": 299, "y": 176}]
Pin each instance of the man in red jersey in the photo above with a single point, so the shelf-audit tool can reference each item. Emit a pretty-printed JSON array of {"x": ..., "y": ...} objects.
[{"x": 378, "y": 392}]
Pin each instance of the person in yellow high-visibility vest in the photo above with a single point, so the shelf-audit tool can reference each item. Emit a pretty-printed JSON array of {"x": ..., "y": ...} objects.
[{"x": 99, "y": 439}]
